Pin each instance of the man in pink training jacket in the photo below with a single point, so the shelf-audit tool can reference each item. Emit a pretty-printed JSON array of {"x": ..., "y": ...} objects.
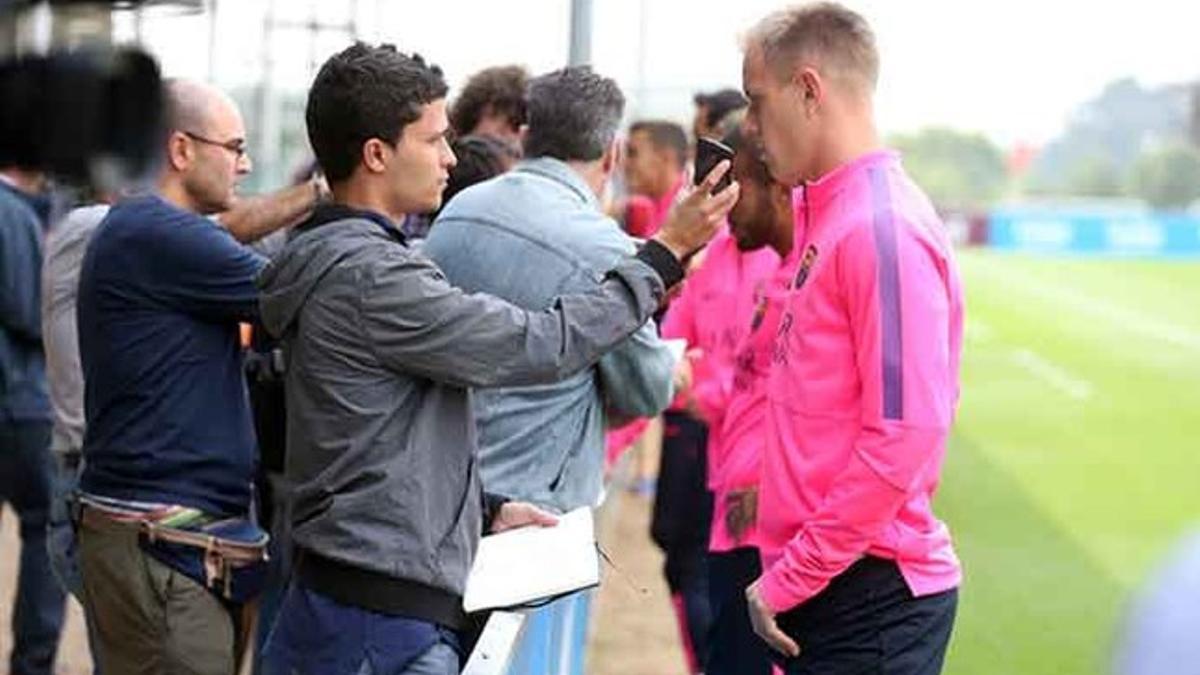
[{"x": 859, "y": 575}]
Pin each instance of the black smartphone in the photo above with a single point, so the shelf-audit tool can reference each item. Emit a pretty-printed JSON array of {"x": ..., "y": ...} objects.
[{"x": 709, "y": 154}]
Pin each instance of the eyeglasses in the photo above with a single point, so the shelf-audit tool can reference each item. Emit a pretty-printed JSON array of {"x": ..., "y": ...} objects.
[{"x": 237, "y": 146}]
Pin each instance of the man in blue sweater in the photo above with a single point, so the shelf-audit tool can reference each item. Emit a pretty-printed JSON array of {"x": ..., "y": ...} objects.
[{"x": 169, "y": 437}]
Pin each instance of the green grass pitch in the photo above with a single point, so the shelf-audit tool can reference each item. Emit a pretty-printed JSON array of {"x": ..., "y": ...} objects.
[{"x": 1075, "y": 459}]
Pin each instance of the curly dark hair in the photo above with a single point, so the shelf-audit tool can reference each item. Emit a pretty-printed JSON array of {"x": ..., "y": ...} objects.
[
  {"x": 500, "y": 89},
  {"x": 366, "y": 92}
]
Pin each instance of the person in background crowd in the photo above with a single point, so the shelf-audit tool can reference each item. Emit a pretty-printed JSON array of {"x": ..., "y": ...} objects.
[
  {"x": 763, "y": 217},
  {"x": 479, "y": 158},
  {"x": 655, "y": 167},
  {"x": 26, "y": 465},
  {"x": 65, "y": 245},
  {"x": 712, "y": 111},
  {"x": 713, "y": 314},
  {"x": 492, "y": 103}
]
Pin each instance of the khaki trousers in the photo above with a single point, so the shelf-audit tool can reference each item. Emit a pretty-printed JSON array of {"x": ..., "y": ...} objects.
[{"x": 150, "y": 619}]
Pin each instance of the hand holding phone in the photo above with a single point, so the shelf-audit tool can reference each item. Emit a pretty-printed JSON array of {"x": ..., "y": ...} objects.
[
  {"x": 696, "y": 218},
  {"x": 709, "y": 153}
]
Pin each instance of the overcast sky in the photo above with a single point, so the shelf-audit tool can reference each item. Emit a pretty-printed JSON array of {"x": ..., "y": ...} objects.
[{"x": 1014, "y": 69}]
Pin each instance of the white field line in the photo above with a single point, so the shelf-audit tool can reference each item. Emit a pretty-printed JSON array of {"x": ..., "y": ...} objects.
[
  {"x": 1122, "y": 317},
  {"x": 1052, "y": 374},
  {"x": 1041, "y": 368}
]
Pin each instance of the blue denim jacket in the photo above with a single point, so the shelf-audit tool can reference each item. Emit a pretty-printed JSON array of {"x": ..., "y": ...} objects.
[{"x": 529, "y": 236}]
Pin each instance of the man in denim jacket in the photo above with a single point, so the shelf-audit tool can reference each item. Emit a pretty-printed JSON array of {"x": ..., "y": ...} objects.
[{"x": 527, "y": 237}]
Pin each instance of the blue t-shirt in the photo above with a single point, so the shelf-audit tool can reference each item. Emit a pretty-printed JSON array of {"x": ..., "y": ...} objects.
[{"x": 161, "y": 293}]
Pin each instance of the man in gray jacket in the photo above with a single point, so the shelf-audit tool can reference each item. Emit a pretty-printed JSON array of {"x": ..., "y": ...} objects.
[{"x": 381, "y": 352}]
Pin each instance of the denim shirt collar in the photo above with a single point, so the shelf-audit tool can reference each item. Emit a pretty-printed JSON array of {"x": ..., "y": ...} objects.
[{"x": 562, "y": 173}]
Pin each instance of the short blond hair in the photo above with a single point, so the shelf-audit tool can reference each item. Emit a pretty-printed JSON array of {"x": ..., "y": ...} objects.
[{"x": 836, "y": 39}]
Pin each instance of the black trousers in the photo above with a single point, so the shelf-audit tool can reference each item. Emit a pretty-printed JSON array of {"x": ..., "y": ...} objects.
[
  {"x": 867, "y": 621},
  {"x": 680, "y": 523},
  {"x": 733, "y": 647}
]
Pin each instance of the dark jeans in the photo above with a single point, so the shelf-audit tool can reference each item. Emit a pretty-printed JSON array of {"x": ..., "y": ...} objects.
[
  {"x": 27, "y": 484},
  {"x": 62, "y": 540},
  {"x": 867, "y": 621},
  {"x": 317, "y": 635},
  {"x": 733, "y": 647},
  {"x": 279, "y": 570}
]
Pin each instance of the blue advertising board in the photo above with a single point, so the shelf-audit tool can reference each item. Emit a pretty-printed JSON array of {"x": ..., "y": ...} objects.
[{"x": 1126, "y": 232}]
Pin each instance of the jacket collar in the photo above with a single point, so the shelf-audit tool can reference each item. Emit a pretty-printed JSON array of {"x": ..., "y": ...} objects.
[
  {"x": 560, "y": 172},
  {"x": 812, "y": 197},
  {"x": 40, "y": 204},
  {"x": 329, "y": 213},
  {"x": 819, "y": 192}
]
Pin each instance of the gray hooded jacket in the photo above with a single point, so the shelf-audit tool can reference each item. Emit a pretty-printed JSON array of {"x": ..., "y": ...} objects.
[{"x": 381, "y": 351}]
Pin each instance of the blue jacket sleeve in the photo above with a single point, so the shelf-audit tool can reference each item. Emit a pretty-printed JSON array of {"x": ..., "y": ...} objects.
[
  {"x": 636, "y": 377},
  {"x": 20, "y": 272}
]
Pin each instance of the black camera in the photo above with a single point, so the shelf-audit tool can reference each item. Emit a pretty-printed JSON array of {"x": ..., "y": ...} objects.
[{"x": 93, "y": 115}]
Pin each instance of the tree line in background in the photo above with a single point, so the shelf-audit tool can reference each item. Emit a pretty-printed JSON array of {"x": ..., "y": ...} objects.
[{"x": 1128, "y": 142}]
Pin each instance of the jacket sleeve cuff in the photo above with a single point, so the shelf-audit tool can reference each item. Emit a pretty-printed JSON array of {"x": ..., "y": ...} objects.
[
  {"x": 662, "y": 261},
  {"x": 773, "y": 592},
  {"x": 491, "y": 509}
]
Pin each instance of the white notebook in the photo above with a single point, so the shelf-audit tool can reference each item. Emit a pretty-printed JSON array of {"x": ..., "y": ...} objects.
[
  {"x": 530, "y": 564},
  {"x": 678, "y": 348}
]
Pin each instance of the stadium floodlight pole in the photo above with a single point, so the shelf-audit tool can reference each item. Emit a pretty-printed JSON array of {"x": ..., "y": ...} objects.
[
  {"x": 580, "y": 53},
  {"x": 213, "y": 14}
]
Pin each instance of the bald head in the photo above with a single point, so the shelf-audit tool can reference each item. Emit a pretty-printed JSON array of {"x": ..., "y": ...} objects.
[
  {"x": 196, "y": 106},
  {"x": 205, "y": 148}
]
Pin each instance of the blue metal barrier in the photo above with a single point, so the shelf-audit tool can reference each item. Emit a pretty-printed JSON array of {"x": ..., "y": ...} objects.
[{"x": 554, "y": 638}]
